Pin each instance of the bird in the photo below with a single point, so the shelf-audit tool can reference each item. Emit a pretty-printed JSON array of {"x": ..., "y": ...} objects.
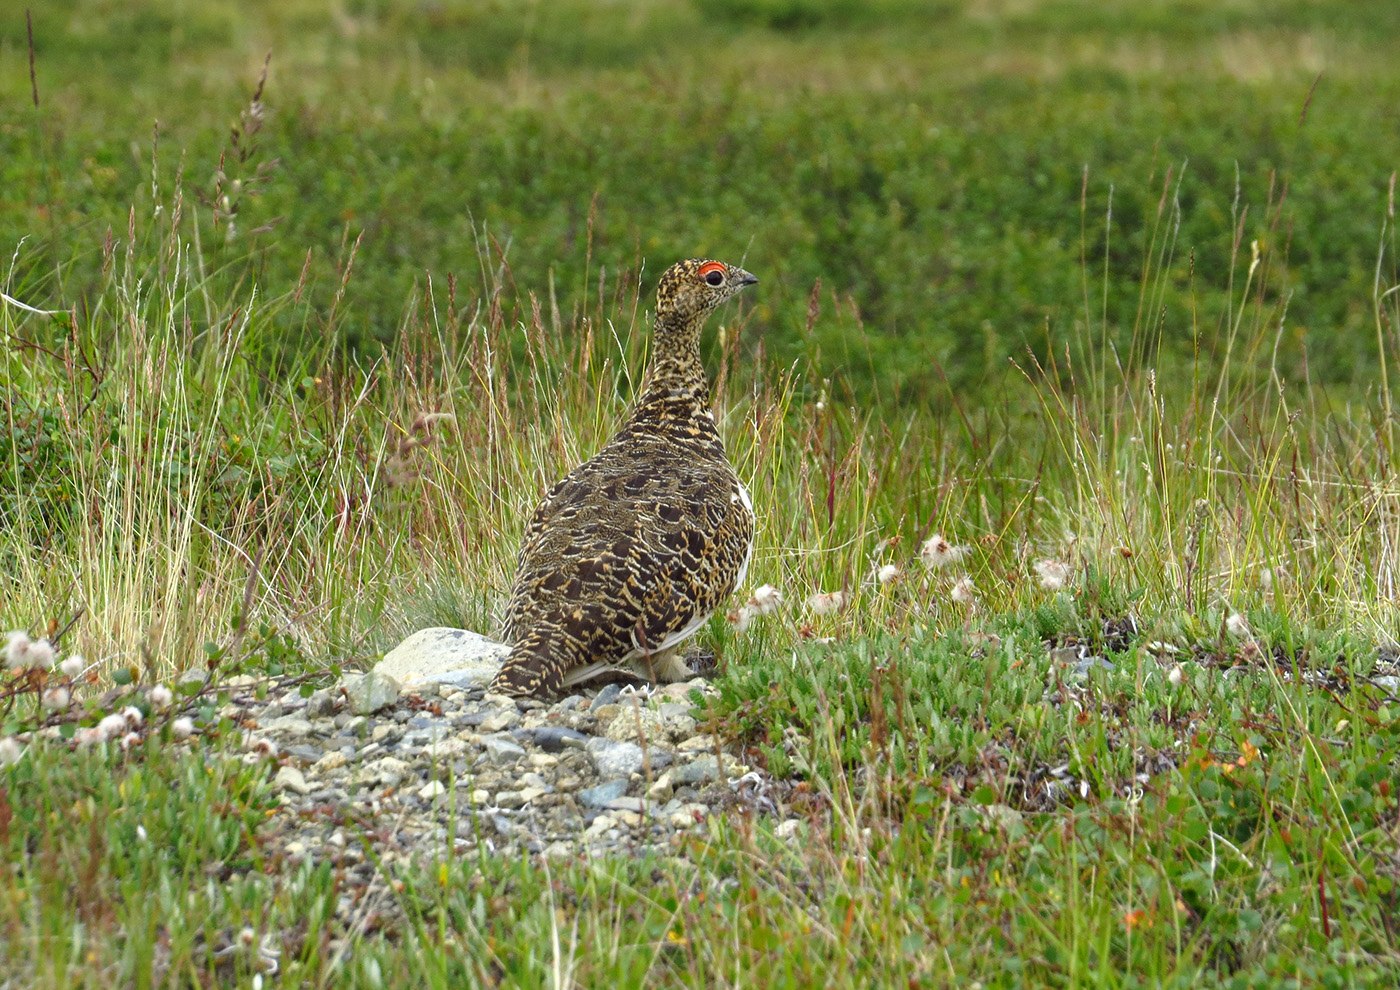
[{"x": 631, "y": 552}]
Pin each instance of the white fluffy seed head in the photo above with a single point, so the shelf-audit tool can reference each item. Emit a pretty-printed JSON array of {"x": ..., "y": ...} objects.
[
  {"x": 41, "y": 654},
  {"x": 826, "y": 602},
  {"x": 55, "y": 698},
  {"x": 1174, "y": 675},
  {"x": 89, "y": 736},
  {"x": 766, "y": 599},
  {"x": 111, "y": 727},
  {"x": 72, "y": 665},
  {"x": 133, "y": 717},
  {"x": 1237, "y": 625},
  {"x": 887, "y": 573},
  {"x": 130, "y": 739},
  {"x": 182, "y": 728},
  {"x": 17, "y": 646},
  {"x": 740, "y": 618},
  {"x": 160, "y": 696},
  {"x": 937, "y": 552},
  {"x": 1052, "y": 574},
  {"x": 264, "y": 747},
  {"x": 10, "y": 751},
  {"x": 964, "y": 591}
]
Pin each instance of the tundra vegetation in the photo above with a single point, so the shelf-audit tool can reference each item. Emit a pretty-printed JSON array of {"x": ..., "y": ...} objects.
[{"x": 1065, "y": 401}]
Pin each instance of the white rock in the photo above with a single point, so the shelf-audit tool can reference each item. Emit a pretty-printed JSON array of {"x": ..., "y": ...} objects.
[
  {"x": 446, "y": 656},
  {"x": 789, "y": 829},
  {"x": 431, "y": 789},
  {"x": 289, "y": 778},
  {"x": 634, "y": 722},
  {"x": 502, "y": 750},
  {"x": 698, "y": 744},
  {"x": 371, "y": 692}
]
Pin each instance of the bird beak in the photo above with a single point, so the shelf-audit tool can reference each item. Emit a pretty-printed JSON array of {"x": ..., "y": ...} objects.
[{"x": 744, "y": 278}]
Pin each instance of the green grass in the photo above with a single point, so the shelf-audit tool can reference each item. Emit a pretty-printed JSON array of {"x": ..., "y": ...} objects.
[{"x": 1093, "y": 289}]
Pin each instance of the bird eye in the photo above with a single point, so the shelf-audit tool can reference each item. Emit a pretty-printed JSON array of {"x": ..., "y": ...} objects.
[
  {"x": 712, "y": 272},
  {"x": 715, "y": 278}
]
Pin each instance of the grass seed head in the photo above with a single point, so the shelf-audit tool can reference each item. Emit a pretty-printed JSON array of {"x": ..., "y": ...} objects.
[
  {"x": 1052, "y": 574},
  {"x": 766, "y": 599},
  {"x": 72, "y": 665},
  {"x": 132, "y": 716},
  {"x": 182, "y": 728},
  {"x": 111, "y": 727},
  {"x": 938, "y": 552},
  {"x": 964, "y": 591},
  {"x": 17, "y": 646},
  {"x": 56, "y": 698},
  {"x": 887, "y": 573},
  {"x": 160, "y": 696},
  {"x": 1237, "y": 625},
  {"x": 10, "y": 751},
  {"x": 826, "y": 602}
]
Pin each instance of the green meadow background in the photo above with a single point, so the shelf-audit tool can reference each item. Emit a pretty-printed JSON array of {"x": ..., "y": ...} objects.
[{"x": 334, "y": 290}]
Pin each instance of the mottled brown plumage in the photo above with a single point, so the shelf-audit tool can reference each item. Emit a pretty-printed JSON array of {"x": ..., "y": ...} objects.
[{"x": 629, "y": 554}]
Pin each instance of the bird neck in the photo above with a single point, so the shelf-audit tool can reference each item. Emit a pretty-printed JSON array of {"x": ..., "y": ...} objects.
[{"x": 675, "y": 383}]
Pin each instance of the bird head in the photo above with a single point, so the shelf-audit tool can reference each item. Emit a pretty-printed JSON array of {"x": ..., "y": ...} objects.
[{"x": 690, "y": 289}]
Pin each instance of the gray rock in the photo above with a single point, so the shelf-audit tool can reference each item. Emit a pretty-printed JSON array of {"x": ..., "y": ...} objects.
[
  {"x": 698, "y": 771},
  {"x": 371, "y": 692},
  {"x": 551, "y": 739},
  {"x": 1387, "y": 682},
  {"x": 321, "y": 704},
  {"x": 502, "y": 750},
  {"x": 445, "y": 656},
  {"x": 607, "y": 696},
  {"x": 604, "y": 794},
  {"x": 289, "y": 725},
  {"x": 621, "y": 759}
]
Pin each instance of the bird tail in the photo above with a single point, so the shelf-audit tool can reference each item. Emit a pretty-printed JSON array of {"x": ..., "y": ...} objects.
[{"x": 535, "y": 665}]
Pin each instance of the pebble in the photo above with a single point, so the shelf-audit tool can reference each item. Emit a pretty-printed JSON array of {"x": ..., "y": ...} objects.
[
  {"x": 612, "y": 771},
  {"x": 371, "y": 692},
  {"x": 603, "y": 795},
  {"x": 289, "y": 778},
  {"x": 502, "y": 750}
]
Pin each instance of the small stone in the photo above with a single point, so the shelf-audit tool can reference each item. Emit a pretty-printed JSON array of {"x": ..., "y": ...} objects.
[
  {"x": 529, "y": 794},
  {"x": 698, "y": 771},
  {"x": 320, "y": 705},
  {"x": 289, "y": 778},
  {"x": 600, "y": 825},
  {"x": 789, "y": 829},
  {"x": 631, "y": 804},
  {"x": 553, "y": 739},
  {"x": 371, "y": 692},
  {"x": 662, "y": 787},
  {"x": 543, "y": 761},
  {"x": 333, "y": 760},
  {"x": 1387, "y": 682},
  {"x": 479, "y": 796},
  {"x": 445, "y": 748},
  {"x": 603, "y": 794},
  {"x": 388, "y": 771},
  {"x": 629, "y": 818},
  {"x": 698, "y": 744},
  {"x": 634, "y": 722},
  {"x": 676, "y": 709},
  {"x": 500, "y": 721},
  {"x": 295, "y": 848},
  {"x": 381, "y": 732},
  {"x": 431, "y": 790},
  {"x": 606, "y": 696},
  {"x": 510, "y": 799},
  {"x": 559, "y": 850},
  {"x": 293, "y": 726},
  {"x": 502, "y": 750},
  {"x": 616, "y": 759}
]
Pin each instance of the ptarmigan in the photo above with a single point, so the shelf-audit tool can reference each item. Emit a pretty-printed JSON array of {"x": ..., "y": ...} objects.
[{"x": 631, "y": 553}]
